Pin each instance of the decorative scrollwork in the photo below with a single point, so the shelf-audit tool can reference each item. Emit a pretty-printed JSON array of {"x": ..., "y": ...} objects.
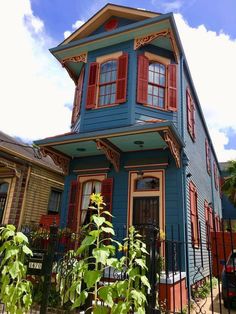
[
  {"x": 173, "y": 146},
  {"x": 142, "y": 41},
  {"x": 80, "y": 58},
  {"x": 59, "y": 160},
  {"x": 200, "y": 304},
  {"x": 112, "y": 155}
]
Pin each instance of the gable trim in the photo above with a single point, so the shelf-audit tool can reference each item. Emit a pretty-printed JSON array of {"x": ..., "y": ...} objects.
[{"x": 105, "y": 13}]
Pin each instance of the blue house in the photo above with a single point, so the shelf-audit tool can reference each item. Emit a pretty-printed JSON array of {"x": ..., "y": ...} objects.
[{"x": 138, "y": 134}]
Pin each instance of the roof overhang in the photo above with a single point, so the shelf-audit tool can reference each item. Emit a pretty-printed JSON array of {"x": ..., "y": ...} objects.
[
  {"x": 113, "y": 143},
  {"x": 159, "y": 31},
  {"x": 104, "y": 14}
]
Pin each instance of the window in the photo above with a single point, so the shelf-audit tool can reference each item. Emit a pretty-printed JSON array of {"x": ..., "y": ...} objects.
[
  {"x": 77, "y": 98},
  {"x": 79, "y": 198},
  {"x": 88, "y": 188},
  {"x": 208, "y": 157},
  {"x": 209, "y": 223},
  {"x": 190, "y": 114},
  {"x": 54, "y": 203},
  {"x": 107, "y": 82},
  {"x": 148, "y": 183},
  {"x": 194, "y": 214},
  {"x": 157, "y": 82},
  {"x": 3, "y": 198}
]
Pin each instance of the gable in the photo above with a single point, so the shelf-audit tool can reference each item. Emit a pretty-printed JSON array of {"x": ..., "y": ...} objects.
[
  {"x": 95, "y": 24},
  {"x": 114, "y": 22}
]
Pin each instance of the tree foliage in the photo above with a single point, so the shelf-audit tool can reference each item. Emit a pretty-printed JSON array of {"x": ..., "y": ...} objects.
[{"x": 229, "y": 186}]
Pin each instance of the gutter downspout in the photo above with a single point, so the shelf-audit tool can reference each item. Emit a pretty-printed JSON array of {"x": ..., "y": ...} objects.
[{"x": 24, "y": 198}]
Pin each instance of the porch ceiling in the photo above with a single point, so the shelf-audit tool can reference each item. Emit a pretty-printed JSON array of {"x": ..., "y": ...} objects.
[{"x": 124, "y": 143}]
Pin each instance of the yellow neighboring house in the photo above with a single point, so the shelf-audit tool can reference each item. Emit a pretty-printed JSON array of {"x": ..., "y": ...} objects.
[{"x": 30, "y": 185}]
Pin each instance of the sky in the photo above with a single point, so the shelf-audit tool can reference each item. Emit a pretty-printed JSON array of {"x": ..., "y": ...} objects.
[{"x": 36, "y": 93}]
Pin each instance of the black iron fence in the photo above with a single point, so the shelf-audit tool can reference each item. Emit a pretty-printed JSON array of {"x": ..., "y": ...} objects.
[{"x": 184, "y": 277}]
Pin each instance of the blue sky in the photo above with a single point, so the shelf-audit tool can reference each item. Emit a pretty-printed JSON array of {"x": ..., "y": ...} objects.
[
  {"x": 216, "y": 15},
  {"x": 37, "y": 94}
]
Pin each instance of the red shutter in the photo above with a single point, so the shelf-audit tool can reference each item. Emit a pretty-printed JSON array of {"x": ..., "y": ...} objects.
[
  {"x": 193, "y": 121},
  {"x": 208, "y": 163},
  {"x": 194, "y": 214},
  {"x": 92, "y": 85},
  {"x": 78, "y": 97},
  {"x": 189, "y": 110},
  {"x": 216, "y": 178},
  {"x": 142, "y": 86},
  {"x": 73, "y": 206},
  {"x": 122, "y": 73},
  {"x": 106, "y": 192},
  {"x": 172, "y": 87}
]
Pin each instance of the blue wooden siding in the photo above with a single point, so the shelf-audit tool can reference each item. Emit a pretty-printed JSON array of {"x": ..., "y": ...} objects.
[
  {"x": 129, "y": 112},
  {"x": 121, "y": 22},
  {"x": 196, "y": 154},
  {"x": 173, "y": 200},
  {"x": 109, "y": 117}
]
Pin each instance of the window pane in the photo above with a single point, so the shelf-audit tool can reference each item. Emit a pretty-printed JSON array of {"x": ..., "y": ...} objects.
[
  {"x": 113, "y": 75},
  {"x": 148, "y": 184},
  {"x": 54, "y": 201},
  {"x": 155, "y": 91},
  {"x": 150, "y": 99},
  {"x": 107, "y": 99},
  {"x": 162, "y": 80},
  {"x": 113, "y": 88},
  {"x": 113, "y": 98},
  {"x": 101, "y": 100},
  {"x": 161, "y": 92},
  {"x": 161, "y": 102},
  {"x": 150, "y": 76},
  {"x": 155, "y": 101},
  {"x": 156, "y": 78},
  {"x": 108, "y": 89},
  {"x": 102, "y": 90},
  {"x": 102, "y": 78},
  {"x": 162, "y": 69},
  {"x": 4, "y": 187}
]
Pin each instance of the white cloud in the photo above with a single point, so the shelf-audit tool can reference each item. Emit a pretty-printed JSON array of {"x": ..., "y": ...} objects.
[
  {"x": 75, "y": 26},
  {"x": 34, "y": 87},
  {"x": 67, "y": 34},
  {"x": 211, "y": 58},
  {"x": 168, "y": 6}
]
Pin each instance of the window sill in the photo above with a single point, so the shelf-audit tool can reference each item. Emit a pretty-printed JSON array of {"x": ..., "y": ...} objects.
[
  {"x": 105, "y": 106},
  {"x": 156, "y": 108}
]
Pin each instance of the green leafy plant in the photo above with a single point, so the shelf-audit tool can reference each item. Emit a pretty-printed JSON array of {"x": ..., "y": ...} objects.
[
  {"x": 203, "y": 291},
  {"x": 15, "y": 289},
  {"x": 129, "y": 293},
  {"x": 81, "y": 282}
]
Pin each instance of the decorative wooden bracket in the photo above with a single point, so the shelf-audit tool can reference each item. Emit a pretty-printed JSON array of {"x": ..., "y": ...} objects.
[
  {"x": 59, "y": 159},
  {"x": 111, "y": 153},
  {"x": 173, "y": 146},
  {"x": 145, "y": 40},
  {"x": 10, "y": 165},
  {"x": 80, "y": 58}
]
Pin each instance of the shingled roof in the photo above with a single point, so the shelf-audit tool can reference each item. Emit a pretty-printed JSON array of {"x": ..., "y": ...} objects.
[{"x": 24, "y": 152}]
